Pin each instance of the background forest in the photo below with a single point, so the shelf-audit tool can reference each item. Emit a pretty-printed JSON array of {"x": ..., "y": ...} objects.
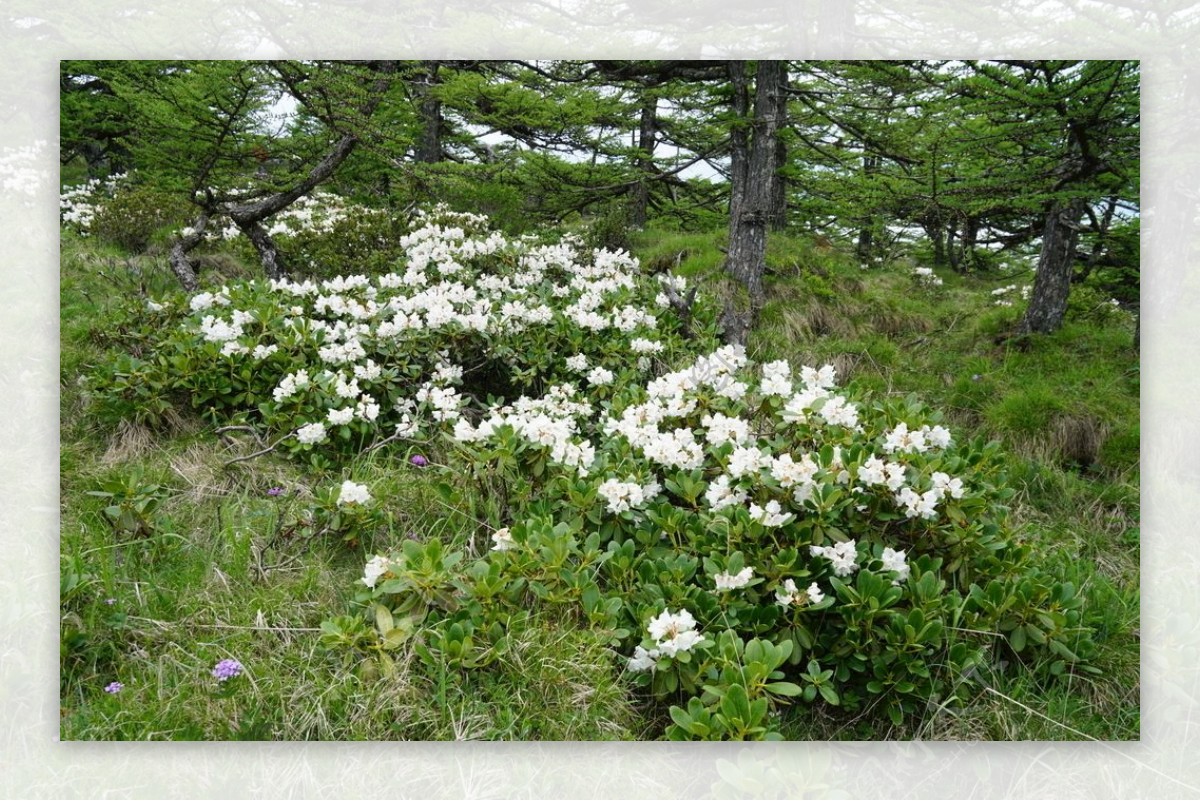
[{"x": 407, "y": 248}]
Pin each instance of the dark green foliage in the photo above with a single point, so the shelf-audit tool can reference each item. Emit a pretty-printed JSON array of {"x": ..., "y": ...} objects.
[{"x": 138, "y": 215}]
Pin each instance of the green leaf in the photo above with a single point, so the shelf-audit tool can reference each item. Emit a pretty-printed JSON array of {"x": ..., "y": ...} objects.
[
  {"x": 784, "y": 688},
  {"x": 383, "y": 619},
  {"x": 1017, "y": 639}
]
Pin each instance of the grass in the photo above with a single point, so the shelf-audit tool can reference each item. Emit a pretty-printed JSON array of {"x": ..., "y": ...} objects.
[{"x": 225, "y": 573}]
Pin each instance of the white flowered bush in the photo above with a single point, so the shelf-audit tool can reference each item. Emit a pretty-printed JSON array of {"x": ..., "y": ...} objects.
[
  {"x": 351, "y": 361},
  {"x": 727, "y": 520}
]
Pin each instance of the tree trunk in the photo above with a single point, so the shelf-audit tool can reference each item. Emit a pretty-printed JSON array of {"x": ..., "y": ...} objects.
[
  {"x": 647, "y": 125},
  {"x": 181, "y": 265},
  {"x": 429, "y": 147},
  {"x": 969, "y": 234},
  {"x": 952, "y": 251},
  {"x": 1053, "y": 283},
  {"x": 779, "y": 184},
  {"x": 936, "y": 231},
  {"x": 748, "y": 220},
  {"x": 268, "y": 252},
  {"x": 867, "y": 233}
]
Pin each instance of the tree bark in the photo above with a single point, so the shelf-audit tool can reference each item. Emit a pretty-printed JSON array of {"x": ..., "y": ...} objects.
[
  {"x": 181, "y": 265},
  {"x": 429, "y": 147},
  {"x": 1048, "y": 305},
  {"x": 268, "y": 252},
  {"x": 750, "y": 209},
  {"x": 779, "y": 184},
  {"x": 647, "y": 125}
]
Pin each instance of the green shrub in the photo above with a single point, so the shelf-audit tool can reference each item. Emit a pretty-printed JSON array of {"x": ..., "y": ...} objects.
[
  {"x": 136, "y": 215},
  {"x": 748, "y": 544}
]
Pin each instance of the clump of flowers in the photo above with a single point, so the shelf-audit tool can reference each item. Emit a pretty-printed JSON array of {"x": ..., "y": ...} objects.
[
  {"x": 227, "y": 669},
  {"x": 355, "y": 360},
  {"x": 353, "y": 493},
  {"x": 926, "y": 277},
  {"x": 112, "y": 688}
]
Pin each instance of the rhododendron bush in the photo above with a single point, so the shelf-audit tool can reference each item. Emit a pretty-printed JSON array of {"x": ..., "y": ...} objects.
[
  {"x": 358, "y": 359},
  {"x": 727, "y": 521}
]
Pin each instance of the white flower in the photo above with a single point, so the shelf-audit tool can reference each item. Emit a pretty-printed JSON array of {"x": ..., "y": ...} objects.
[
  {"x": 719, "y": 494},
  {"x": 818, "y": 379},
  {"x": 789, "y": 472},
  {"x": 503, "y": 540},
  {"x": 640, "y": 345},
  {"x": 937, "y": 436},
  {"x": 722, "y": 429},
  {"x": 895, "y": 561},
  {"x": 725, "y": 581},
  {"x": 843, "y": 556},
  {"x": 311, "y": 433},
  {"x": 871, "y": 472},
  {"x": 814, "y": 593},
  {"x": 776, "y": 379},
  {"x": 340, "y": 417},
  {"x": 577, "y": 363},
  {"x": 263, "y": 351},
  {"x": 772, "y": 516},
  {"x": 744, "y": 461},
  {"x": 922, "y": 505},
  {"x": 946, "y": 485},
  {"x": 905, "y": 441},
  {"x": 600, "y": 377},
  {"x": 376, "y": 567},
  {"x": 366, "y": 409},
  {"x": 674, "y": 633},
  {"x": 353, "y": 493},
  {"x": 787, "y": 594},
  {"x": 643, "y": 660}
]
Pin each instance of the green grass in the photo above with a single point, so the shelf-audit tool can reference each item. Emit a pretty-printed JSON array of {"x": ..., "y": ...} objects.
[{"x": 222, "y": 572}]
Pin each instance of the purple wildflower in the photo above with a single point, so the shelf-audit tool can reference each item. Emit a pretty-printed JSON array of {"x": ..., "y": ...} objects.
[
  {"x": 227, "y": 669},
  {"x": 419, "y": 460},
  {"x": 110, "y": 601},
  {"x": 114, "y": 688},
  {"x": 275, "y": 491}
]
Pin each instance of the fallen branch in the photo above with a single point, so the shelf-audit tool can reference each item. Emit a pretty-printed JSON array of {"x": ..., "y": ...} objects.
[{"x": 258, "y": 453}]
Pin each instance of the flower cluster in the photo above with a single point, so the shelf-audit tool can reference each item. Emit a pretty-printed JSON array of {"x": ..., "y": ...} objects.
[
  {"x": 353, "y": 493},
  {"x": 672, "y": 634},
  {"x": 227, "y": 669},
  {"x": 925, "y": 277},
  {"x": 1002, "y": 296},
  {"x": 78, "y": 205}
]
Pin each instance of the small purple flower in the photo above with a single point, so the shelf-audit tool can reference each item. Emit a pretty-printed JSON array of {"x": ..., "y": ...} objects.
[
  {"x": 114, "y": 688},
  {"x": 110, "y": 601},
  {"x": 227, "y": 669},
  {"x": 419, "y": 460},
  {"x": 275, "y": 492}
]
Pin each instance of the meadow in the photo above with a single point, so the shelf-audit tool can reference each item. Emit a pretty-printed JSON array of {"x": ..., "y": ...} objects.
[{"x": 444, "y": 561}]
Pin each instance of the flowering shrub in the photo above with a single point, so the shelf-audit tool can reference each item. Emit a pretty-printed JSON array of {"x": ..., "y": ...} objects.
[
  {"x": 355, "y": 360},
  {"x": 1002, "y": 296},
  {"x": 925, "y": 277},
  {"x": 731, "y": 525},
  {"x": 133, "y": 215},
  {"x": 78, "y": 205}
]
